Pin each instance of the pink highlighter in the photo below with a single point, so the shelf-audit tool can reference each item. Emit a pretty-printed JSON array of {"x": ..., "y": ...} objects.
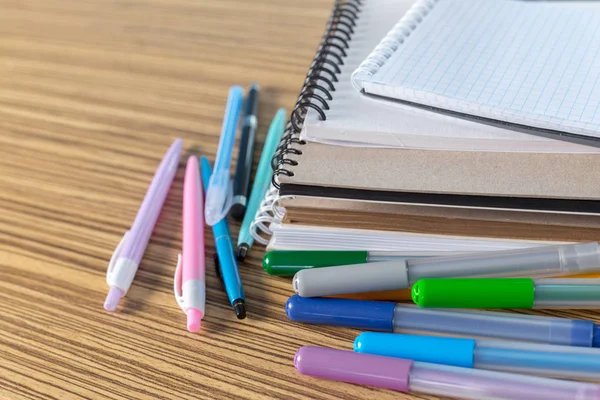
[{"x": 189, "y": 282}]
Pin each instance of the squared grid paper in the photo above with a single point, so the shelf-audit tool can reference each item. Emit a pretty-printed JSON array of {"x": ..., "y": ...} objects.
[{"x": 530, "y": 63}]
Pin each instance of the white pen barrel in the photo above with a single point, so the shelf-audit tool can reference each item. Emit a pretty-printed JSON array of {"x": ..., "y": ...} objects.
[
  {"x": 194, "y": 295},
  {"x": 122, "y": 274}
]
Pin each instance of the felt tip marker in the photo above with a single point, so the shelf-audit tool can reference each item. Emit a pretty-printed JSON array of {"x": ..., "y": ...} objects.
[
  {"x": 408, "y": 318},
  {"x": 538, "y": 262},
  {"x": 288, "y": 262},
  {"x": 407, "y": 376},
  {"x": 524, "y": 293},
  {"x": 579, "y": 363}
]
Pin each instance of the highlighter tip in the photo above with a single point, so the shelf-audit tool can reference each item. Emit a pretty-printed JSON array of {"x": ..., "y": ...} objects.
[
  {"x": 194, "y": 318},
  {"x": 113, "y": 298}
]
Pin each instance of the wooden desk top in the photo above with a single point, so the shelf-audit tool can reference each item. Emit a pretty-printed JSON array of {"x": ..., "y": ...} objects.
[{"x": 91, "y": 95}]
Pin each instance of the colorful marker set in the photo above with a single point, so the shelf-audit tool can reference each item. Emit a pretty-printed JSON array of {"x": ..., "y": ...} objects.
[
  {"x": 221, "y": 196},
  {"x": 480, "y": 354}
]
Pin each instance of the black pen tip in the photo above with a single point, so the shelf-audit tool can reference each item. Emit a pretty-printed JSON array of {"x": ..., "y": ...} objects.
[
  {"x": 239, "y": 306},
  {"x": 242, "y": 252},
  {"x": 237, "y": 211}
]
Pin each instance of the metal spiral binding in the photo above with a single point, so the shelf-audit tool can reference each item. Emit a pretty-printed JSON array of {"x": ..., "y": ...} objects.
[
  {"x": 316, "y": 93},
  {"x": 390, "y": 43},
  {"x": 319, "y": 83}
]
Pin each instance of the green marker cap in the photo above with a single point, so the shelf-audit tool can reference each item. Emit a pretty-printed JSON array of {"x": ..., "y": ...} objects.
[
  {"x": 474, "y": 293},
  {"x": 288, "y": 262}
]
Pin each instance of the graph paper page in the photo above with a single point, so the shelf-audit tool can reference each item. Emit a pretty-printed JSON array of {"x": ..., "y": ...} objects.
[{"x": 525, "y": 62}]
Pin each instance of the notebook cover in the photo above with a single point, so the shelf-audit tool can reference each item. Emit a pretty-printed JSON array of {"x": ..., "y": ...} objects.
[{"x": 518, "y": 181}]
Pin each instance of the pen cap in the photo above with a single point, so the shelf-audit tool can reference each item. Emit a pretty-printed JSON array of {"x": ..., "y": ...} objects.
[
  {"x": 287, "y": 263},
  {"x": 346, "y": 366},
  {"x": 431, "y": 349},
  {"x": 355, "y": 278},
  {"x": 474, "y": 293},
  {"x": 360, "y": 314}
]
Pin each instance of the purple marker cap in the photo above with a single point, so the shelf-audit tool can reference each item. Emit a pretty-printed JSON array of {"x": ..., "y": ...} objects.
[{"x": 347, "y": 366}]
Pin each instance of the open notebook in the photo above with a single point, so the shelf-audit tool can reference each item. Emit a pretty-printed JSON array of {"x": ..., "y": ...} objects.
[
  {"x": 530, "y": 64},
  {"x": 351, "y": 119}
]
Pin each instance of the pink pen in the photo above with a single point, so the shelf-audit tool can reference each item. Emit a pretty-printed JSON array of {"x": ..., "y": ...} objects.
[
  {"x": 189, "y": 282},
  {"x": 443, "y": 380}
]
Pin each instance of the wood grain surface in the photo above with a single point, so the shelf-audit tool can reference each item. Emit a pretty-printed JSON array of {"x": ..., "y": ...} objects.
[{"x": 92, "y": 92}]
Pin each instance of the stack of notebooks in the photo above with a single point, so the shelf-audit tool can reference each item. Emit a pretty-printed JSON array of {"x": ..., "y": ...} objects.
[{"x": 443, "y": 125}]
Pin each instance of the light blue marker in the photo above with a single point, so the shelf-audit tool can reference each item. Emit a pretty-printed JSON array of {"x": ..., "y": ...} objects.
[
  {"x": 227, "y": 264},
  {"x": 219, "y": 195},
  {"x": 581, "y": 363},
  {"x": 262, "y": 181}
]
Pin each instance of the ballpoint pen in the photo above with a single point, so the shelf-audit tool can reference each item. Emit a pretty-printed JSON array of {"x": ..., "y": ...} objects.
[
  {"x": 580, "y": 363},
  {"x": 408, "y": 318},
  {"x": 229, "y": 271},
  {"x": 288, "y": 262},
  {"x": 127, "y": 256},
  {"x": 189, "y": 281},
  {"x": 507, "y": 293},
  {"x": 219, "y": 195},
  {"x": 546, "y": 261},
  {"x": 241, "y": 183},
  {"x": 443, "y": 380},
  {"x": 262, "y": 180}
]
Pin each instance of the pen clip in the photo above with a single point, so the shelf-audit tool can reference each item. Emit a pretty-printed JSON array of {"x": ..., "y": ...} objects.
[
  {"x": 115, "y": 256},
  {"x": 177, "y": 284},
  {"x": 228, "y": 201}
]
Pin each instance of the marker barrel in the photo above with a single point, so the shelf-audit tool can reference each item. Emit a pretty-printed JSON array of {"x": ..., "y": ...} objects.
[
  {"x": 580, "y": 363},
  {"x": 407, "y": 376},
  {"x": 407, "y": 318},
  {"x": 522, "y": 293},
  {"x": 546, "y": 261}
]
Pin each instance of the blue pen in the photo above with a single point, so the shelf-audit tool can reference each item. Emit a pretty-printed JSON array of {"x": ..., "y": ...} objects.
[
  {"x": 228, "y": 265},
  {"x": 581, "y": 363},
  {"x": 262, "y": 180},
  {"x": 219, "y": 195}
]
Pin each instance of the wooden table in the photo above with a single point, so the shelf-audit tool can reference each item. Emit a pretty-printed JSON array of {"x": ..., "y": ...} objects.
[{"x": 91, "y": 95}]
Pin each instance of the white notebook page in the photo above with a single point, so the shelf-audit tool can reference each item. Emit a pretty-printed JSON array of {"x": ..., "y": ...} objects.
[
  {"x": 354, "y": 120},
  {"x": 525, "y": 62}
]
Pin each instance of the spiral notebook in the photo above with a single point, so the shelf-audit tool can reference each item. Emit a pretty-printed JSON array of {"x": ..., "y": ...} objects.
[
  {"x": 341, "y": 116},
  {"x": 328, "y": 104},
  {"x": 526, "y": 64}
]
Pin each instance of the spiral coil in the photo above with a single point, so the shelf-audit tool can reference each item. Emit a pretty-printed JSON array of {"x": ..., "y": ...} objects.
[
  {"x": 390, "y": 43},
  {"x": 319, "y": 83},
  {"x": 316, "y": 93}
]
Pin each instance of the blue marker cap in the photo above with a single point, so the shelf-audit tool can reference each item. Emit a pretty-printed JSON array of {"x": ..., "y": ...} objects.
[
  {"x": 436, "y": 350},
  {"x": 369, "y": 315}
]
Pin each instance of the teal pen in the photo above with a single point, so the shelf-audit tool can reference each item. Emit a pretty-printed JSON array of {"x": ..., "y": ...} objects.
[
  {"x": 262, "y": 181},
  {"x": 228, "y": 269}
]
